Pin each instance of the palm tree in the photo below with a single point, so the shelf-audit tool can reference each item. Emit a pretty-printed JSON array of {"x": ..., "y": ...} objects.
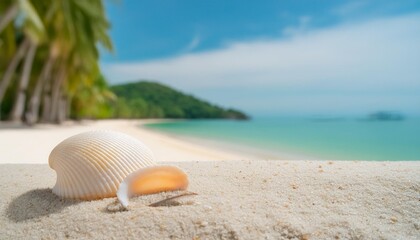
[
  {"x": 8, "y": 75},
  {"x": 85, "y": 26},
  {"x": 13, "y": 8},
  {"x": 91, "y": 101},
  {"x": 19, "y": 103},
  {"x": 62, "y": 44},
  {"x": 32, "y": 113},
  {"x": 33, "y": 31},
  {"x": 8, "y": 16}
]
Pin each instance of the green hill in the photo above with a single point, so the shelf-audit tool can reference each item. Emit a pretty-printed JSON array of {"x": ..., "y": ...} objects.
[{"x": 153, "y": 100}]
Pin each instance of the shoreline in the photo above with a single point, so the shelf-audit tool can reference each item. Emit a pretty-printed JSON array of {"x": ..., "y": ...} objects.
[
  {"x": 179, "y": 147},
  {"x": 288, "y": 138},
  {"x": 235, "y": 148}
]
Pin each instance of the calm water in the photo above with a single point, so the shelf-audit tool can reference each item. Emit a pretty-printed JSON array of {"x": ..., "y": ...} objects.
[{"x": 341, "y": 140}]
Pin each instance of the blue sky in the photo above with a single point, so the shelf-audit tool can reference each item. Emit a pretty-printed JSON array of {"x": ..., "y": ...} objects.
[{"x": 273, "y": 57}]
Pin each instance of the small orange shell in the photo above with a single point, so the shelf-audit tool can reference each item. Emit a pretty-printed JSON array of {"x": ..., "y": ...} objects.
[{"x": 152, "y": 180}]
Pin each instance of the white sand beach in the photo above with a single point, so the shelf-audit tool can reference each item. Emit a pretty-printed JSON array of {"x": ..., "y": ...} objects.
[
  {"x": 238, "y": 196},
  {"x": 33, "y": 145}
]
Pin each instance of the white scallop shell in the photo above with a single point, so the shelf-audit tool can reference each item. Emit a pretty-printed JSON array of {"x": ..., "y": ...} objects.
[{"x": 92, "y": 165}]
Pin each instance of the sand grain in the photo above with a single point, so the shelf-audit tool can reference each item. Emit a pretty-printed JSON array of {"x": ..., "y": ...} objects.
[{"x": 236, "y": 200}]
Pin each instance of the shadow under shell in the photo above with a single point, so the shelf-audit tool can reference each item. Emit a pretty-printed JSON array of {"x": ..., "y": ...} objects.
[{"x": 35, "y": 204}]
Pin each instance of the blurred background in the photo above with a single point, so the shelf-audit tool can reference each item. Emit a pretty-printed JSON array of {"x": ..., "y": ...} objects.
[
  {"x": 274, "y": 57},
  {"x": 334, "y": 79}
]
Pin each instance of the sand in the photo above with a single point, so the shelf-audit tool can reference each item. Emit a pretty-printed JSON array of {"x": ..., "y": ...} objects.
[
  {"x": 245, "y": 199},
  {"x": 33, "y": 145}
]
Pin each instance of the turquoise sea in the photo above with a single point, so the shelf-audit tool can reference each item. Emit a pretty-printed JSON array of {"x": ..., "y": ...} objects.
[{"x": 338, "y": 139}]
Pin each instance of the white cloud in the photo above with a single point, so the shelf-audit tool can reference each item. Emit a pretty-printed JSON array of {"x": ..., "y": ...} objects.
[
  {"x": 300, "y": 29},
  {"x": 349, "y": 8},
  {"x": 193, "y": 44},
  {"x": 379, "y": 55}
]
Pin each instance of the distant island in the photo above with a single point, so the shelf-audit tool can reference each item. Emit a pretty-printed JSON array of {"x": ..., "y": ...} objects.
[
  {"x": 145, "y": 99},
  {"x": 385, "y": 116}
]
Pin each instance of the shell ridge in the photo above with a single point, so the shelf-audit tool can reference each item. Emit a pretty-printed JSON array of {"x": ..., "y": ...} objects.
[
  {"x": 64, "y": 191},
  {"x": 145, "y": 160},
  {"x": 108, "y": 172},
  {"x": 112, "y": 154},
  {"x": 95, "y": 170},
  {"x": 106, "y": 166},
  {"x": 128, "y": 153},
  {"x": 112, "y": 168},
  {"x": 61, "y": 174},
  {"x": 130, "y": 157},
  {"x": 79, "y": 177},
  {"x": 143, "y": 157},
  {"x": 85, "y": 178}
]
